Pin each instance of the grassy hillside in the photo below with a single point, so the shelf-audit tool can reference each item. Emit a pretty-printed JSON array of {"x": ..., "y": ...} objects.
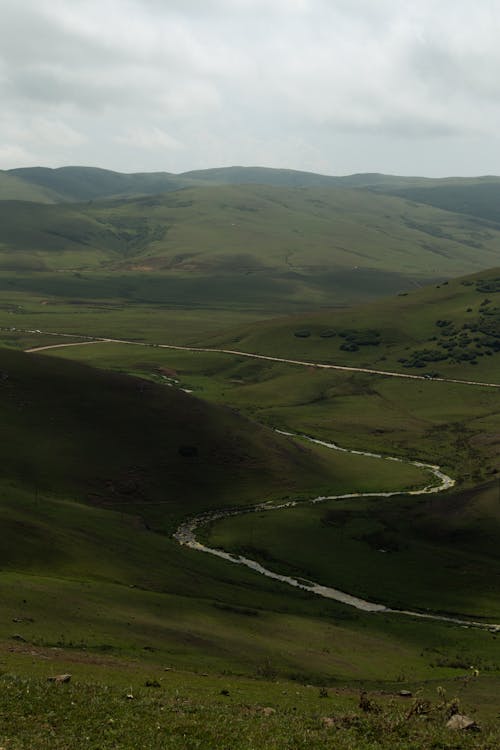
[
  {"x": 74, "y": 184},
  {"x": 67, "y": 427},
  {"x": 16, "y": 189},
  {"x": 249, "y": 247},
  {"x": 93, "y": 463},
  {"x": 89, "y": 183},
  {"x": 480, "y": 199},
  {"x": 452, "y": 329},
  {"x": 98, "y": 466},
  {"x": 452, "y": 424}
]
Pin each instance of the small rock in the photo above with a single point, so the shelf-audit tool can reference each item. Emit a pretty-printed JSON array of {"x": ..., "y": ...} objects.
[
  {"x": 60, "y": 678},
  {"x": 17, "y": 637},
  {"x": 130, "y": 697},
  {"x": 405, "y": 693},
  {"x": 460, "y": 721}
]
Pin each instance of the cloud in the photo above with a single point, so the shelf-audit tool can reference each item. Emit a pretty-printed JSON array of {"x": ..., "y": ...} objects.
[
  {"x": 148, "y": 138},
  {"x": 164, "y": 85}
]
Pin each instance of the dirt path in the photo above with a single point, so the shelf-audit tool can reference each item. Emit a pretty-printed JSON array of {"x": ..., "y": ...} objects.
[
  {"x": 237, "y": 353},
  {"x": 61, "y": 346}
]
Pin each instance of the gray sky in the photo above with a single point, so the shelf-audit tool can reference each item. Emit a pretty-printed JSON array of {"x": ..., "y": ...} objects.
[{"x": 333, "y": 86}]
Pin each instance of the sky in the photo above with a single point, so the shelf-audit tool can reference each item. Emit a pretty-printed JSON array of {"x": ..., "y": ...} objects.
[{"x": 330, "y": 86}]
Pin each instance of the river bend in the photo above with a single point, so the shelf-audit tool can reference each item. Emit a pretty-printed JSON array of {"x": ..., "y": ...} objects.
[{"x": 186, "y": 536}]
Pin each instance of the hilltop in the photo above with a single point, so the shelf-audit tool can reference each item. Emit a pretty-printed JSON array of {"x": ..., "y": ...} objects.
[{"x": 80, "y": 183}]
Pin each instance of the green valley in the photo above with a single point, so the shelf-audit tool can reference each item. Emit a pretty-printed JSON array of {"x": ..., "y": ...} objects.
[{"x": 230, "y": 297}]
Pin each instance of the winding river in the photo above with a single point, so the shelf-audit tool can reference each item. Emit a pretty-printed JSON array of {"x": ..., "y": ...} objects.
[
  {"x": 186, "y": 533},
  {"x": 186, "y": 536}
]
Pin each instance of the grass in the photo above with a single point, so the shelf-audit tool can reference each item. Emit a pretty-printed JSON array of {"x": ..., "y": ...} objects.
[
  {"x": 248, "y": 247},
  {"x": 195, "y": 713},
  {"x": 83, "y": 439},
  {"x": 402, "y": 553},
  {"x": 451, "y": 423},
  {"x": 451, "y": 329},
  {"x": 96, "y": 474},
  {"x": 214, "y": 713}
]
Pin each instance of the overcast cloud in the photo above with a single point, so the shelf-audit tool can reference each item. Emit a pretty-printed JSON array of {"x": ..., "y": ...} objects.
[{"x": 335, "y": 86}]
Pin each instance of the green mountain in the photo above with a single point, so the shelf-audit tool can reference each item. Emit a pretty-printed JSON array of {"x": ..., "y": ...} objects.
[
  {"x": 260, "y": 247},
  {"x": 74, "y": 184},
  {"x": 17, "y": 189}
]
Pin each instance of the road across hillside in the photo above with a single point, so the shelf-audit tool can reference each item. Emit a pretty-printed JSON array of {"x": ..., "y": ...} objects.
[{"x": 237, "y": 353}]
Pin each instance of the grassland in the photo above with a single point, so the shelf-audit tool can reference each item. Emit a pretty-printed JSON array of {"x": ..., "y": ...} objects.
[
  {"x": 451, "y": 329},
  {"x": 82, "y": 441},
  {"x": 180, "y": 710},
  {"x": 453, "y": 424},
  {"x": 100, "y": 467},
  {"x": 256, "y": 248}
]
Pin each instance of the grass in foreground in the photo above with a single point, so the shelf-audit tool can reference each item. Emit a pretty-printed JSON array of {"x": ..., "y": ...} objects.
[{"x": 172, "y": 713}]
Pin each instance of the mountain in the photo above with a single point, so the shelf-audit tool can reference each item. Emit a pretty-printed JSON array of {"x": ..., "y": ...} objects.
[
  {"x": 75, "y": 184},
  {"x": 265, "y": 247}
]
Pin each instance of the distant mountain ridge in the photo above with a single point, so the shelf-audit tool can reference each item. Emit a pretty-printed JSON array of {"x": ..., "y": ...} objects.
[{"x": 77, "y": 184}]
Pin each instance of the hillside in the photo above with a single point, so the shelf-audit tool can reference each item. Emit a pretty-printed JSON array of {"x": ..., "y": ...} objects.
[
  {"x": 93, "y": 465},
  {"x": 452, "y": 328},
  {"x": 479, "y": 198},
  {"x": 247, "y": 247},
  {"x": 14, "y": 188},
  {"x": 74, "y": 184},
  {"x": 68, "y": 427},
  {"x": 79, "y": 183},
  {"x": 100, "y": 467}
]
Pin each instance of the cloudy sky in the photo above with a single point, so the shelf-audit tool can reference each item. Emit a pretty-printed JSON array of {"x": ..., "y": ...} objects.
[{"x": 333, "y": 86}]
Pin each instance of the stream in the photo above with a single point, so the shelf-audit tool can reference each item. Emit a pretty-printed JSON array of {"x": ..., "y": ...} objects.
[{"x": 186, "y": 536}]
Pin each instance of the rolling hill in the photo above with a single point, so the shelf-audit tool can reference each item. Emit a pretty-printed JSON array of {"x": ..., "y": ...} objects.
[
  {"x": 77, "y": 183},
  {"x": 263, "y": 248},
  {"x": 452, "y": 327}
]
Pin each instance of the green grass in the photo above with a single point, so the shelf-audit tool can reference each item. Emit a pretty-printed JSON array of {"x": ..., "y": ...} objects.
[
  {"x": 451, "y": 423},
  {"x": 13, "y": 188},
  {"x": 451, "y": 329},
  {"x": 94, "y": 480},
  {"x": 185, "y": 712},
  {"x": 438, "y": 555},
  {"x": 77, "y": 435},
  {"x": 260, "y": 248}
]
